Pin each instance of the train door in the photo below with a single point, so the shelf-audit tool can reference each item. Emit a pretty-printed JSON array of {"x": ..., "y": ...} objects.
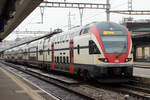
[
  {"x": 52, "y": 56},
  {"x": 71, "y": 53}
]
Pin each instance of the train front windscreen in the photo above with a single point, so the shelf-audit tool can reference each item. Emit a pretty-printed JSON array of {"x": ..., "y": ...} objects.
[
  {"x": 114, "y": 37},
  {"x": 114, "y": 42}
]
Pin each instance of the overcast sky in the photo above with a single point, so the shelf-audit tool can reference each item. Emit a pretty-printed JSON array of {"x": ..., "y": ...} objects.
[{"x": 58, "y": 17}]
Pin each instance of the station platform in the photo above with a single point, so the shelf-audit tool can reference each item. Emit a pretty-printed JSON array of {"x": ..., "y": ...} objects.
[
  {"x": 142, "y": 65},
  {"x": 13, "y": 87}
]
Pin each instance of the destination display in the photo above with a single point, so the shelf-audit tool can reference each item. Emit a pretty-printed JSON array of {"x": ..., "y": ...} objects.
[{"x": 114, "y": 33}]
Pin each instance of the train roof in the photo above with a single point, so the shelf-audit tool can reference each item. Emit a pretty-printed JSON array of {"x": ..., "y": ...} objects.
[{"x": 59, "y": 31}]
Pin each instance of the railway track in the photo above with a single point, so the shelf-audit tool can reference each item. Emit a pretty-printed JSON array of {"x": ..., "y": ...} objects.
[
  {"x": 86, "y": 90},
  {"x": 138, "y": 91}
]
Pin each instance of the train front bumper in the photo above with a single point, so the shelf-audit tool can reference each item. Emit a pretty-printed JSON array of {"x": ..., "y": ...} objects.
[{"x": 113, "y": 70}]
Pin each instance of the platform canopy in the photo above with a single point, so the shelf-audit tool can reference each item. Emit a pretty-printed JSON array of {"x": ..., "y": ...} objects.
[
  {"x": 13, "y": 12},
  {"x": 140, "y": 31},
  {"x": 138, "y": 26}
]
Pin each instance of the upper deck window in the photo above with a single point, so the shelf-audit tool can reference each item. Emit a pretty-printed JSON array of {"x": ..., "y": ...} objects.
[{"x": 85, "y": 31}]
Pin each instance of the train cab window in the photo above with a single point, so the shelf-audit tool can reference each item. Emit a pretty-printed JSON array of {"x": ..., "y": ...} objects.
[{"x": 93, "y": 49}]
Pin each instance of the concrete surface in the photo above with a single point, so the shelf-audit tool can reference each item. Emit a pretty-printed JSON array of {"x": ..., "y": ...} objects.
[
  {"x": 142, "y": 64},
  {"x": 15, "y": 88}
]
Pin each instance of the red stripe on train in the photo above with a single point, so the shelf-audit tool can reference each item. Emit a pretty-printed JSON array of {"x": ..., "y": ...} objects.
[
  {"x": 52, "y": 65},
  {"x": 71, "y": 65}
]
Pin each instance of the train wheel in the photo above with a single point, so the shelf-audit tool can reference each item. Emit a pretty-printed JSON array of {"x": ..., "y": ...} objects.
[
  {"x": 79, "y": 73},
  {"x": 86, "y": 75}
]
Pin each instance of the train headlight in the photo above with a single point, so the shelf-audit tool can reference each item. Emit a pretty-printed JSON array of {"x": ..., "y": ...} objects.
[
  {"x": 104, "y": 59},
  {"x": 128, "y": 59}
]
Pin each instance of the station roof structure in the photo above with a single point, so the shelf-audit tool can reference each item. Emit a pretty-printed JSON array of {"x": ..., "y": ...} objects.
[
  {"x": 140, "y": 32},
  {"x": 141, "y": 39},
  {"x": 13, "y": 12},
  {"x": 138, "y": 26}
]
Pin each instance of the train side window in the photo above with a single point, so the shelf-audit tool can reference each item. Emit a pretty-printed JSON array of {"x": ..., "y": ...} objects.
[
  {"x": 55, "y": 59},
  {"x": 48, "y": 51},
  {"x": 93, "y": 49},
  {"x": 49, "y": 39},
  {"x": 41, "y": 51},
  {"x": 78, "y": 49},
  {"x": 81, "y": 31},
  {"x": 60, "y": 59},
  {"x": 85, "y": 31},
  {"x": 67, "y": 59},
  {"x": 64, "y": 60}
]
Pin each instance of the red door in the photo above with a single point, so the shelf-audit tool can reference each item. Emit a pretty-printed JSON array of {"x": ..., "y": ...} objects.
[
  {"x": 52, "y": 65},
  {"x": 71, "y": 65}
]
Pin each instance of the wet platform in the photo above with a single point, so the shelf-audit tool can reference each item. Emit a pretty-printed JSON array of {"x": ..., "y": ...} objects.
[{"x": 13, "y": 87}]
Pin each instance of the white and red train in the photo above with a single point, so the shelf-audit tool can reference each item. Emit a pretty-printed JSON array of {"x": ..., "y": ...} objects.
[{"x": 100, "y": 50}]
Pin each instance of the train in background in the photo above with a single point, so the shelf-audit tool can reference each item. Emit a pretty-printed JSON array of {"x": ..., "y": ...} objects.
[{"x": 99, "y": 50}]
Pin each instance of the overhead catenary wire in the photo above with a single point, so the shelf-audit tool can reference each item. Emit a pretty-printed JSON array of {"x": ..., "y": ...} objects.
[{"x": 84, "y": 19}]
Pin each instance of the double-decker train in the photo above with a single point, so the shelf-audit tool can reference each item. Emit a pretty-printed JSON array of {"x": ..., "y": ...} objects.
[{"x": 100, "y": 49}]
